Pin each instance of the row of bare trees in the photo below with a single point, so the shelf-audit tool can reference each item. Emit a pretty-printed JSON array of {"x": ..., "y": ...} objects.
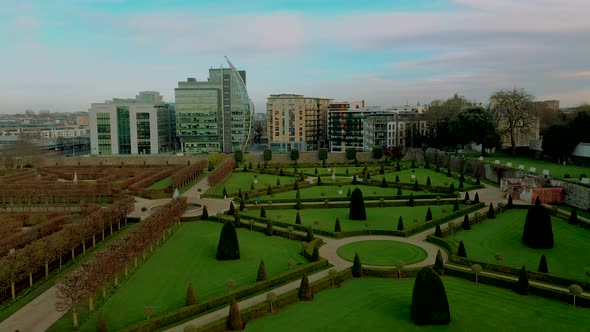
[
  {"x": 224, "y": 169},
  {"x": 149, "y": 180},
  {"x": 21, "y": 239},
  {"x": 35, "y": 192},
  {"x": 26, "y": 261},
  {"x": 188, "y": 174},
  {"x": 106, "y": 265}
]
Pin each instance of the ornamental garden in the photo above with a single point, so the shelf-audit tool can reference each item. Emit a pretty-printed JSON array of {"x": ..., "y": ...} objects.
[{"x": 379, "y": 244}]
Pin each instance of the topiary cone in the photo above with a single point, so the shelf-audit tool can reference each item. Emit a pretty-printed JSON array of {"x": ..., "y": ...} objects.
[{"x": 430, "y": 305}]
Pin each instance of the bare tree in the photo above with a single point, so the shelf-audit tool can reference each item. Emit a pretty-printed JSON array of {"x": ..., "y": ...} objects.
[
  {"x": 70, "y": 291},
  {"x": 511, "y": 109},
  {"x": 476, "y": 269}
]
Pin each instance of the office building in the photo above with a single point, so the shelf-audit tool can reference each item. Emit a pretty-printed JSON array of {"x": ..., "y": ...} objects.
[
  {"x": 214, "y": 115},
  {"x": 141, "y": 125},
  {"x": 296, "y": 122}
]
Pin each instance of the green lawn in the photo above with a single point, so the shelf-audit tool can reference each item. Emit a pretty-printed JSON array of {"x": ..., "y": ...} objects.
[
  {"x": 244, "y": 180},
  {"x": 189, "y": 256},
  {"x": 384, "y": 305},
  {"x": 162, "y": 184},
  {"x": 555, "y": 169},
  {"x": 383, "y": 252},
  {"x": 568, "y": 258},
  {"x": 327, "y": 192},
  {"x": 421, "y": 174},
  {"x": 385, "y": 218}
]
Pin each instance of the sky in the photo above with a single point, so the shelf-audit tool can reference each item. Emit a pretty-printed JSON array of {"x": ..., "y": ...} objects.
[{"x": 63, "y": 55}]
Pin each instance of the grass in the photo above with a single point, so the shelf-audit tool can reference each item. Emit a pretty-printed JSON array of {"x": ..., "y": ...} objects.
[
  {"x": 327, "y": 192},
  {"x": 384, "y": 305},
  {"x": 555, "y": 169},
  {"x": 421, "y": 174},
  {"x": 162, "y": 184},
  {"x": 189, "y": 256},
  {"x": 581, "y": 213},
  {"x": 244, "y": 180},
  {"x": 385, "y": 218},
  {"x": 568, "y": 258},
  {"x": 383, "y": 252}
]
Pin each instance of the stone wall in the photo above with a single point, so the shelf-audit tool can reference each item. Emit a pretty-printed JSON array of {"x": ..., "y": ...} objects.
[
  {"x": 573, "y": 194},
  {"x": 125, "y": 160}
]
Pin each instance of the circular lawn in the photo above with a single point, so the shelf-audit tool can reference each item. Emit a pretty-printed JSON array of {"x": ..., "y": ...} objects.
[{"x": 383, "y": 252}]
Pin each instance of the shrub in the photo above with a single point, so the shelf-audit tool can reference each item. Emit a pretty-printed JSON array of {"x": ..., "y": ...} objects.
[
  {"x": 354, "y": 180},
  {"x": 437, "y": 168},
  {"x": 232, "y": 209},
  {"x": 411, "y": 201},
  {"x": 476, "y": 199},
  {"x": 305, "y": 289},
  {"x": 357, "y": 206},
  {"x": 462, "y": 178},
  {"x": 383, "y": 183},
  {"x": 456, "y": 206},
  {"x": 190, "y": 297},
  {"x": 461, "y": 252},
  {"x": 510, "y": 204},
  {"x": 298, "y": 205},
  {"x": 351, "y": 154},
  {"x": 239, "y": 156},
  {"x": 309, "y": 235},
  {"x": 377, "y": 153},
  {"x": 477, "y": 182},
  {"x": 242, "y": 204},
  {"x": 269, "y": 229},
  {"x": 252, "y": 187},
  {"x": 101, "y": 324},
  {"x": 465, "y": 224},
  {"x": 143, "y": 209},
  {"x": 262, "y": 212},
  {"x": 413, "y": 164},
  {"x": 267, "y": 155},
  {"x": 397, "y": 178},
  {"x": 399, "y": 191},
  {"x": 428, "y": 183},
  {"x": 461, "y": 185},
  {"x": 294, "y": 154},
  {"x": 205, "y": 213},
  {"x": 323, "y": 154},
  {"x": 449, "y": 172},
  {"x": 538, "y": 232},
  {"x": 337, "y": 226},
  {"x": 357, "y": 266},
  {"x": 269, "y": 190},
  {"x": 319, "y": 182},
  {"x": 382, "y": 170},
  {"x": 522, "y": 285},
  {"x": 234, "y": 320},
  {"x": 430, "y": 305},
  {"x": 451, "y": 188},
  {"x": 295, "y": 185},
  {"x": 573, "y": 219},
  {"x": 428, "y": 215},
  {"x": 416, "y": 185},
  {"x": 228, "y": 247},
  {"x": 566, "y": 176},
  {"x": 348, "y": 192},
  {"x": 439, "y": 265},
  {"x": 316, "y": 254},
  {"x": 298, "y": 219},
  {"x": 250, "y": 165},
  {"x": 438, "y": 231},
  {"x": 400, "y": 224},
  {"x": 427, "y": 165},
  {"x": 467, "y": 198},
  {"x": 224, "y": 192},
  {"x": 261, "y": 275},
  {"x": 491, "y": 213},
  {"x": 543, "y": 265}
]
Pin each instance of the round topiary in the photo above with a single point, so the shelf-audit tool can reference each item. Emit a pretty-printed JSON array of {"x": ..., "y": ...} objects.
[
  {"x": 357, "y": 206},
  {"x": 228, "y": 247},
  {"x": 430, "y": 305}
]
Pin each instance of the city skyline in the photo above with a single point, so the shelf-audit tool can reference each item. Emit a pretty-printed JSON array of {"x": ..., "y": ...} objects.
[{"x": 65, "y": 55}]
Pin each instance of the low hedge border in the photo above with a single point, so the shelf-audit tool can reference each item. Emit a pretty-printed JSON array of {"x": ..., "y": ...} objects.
[
  {"x": 282, "y": 301},
  {"x": 538, "y": 290},
  {"x": 347, "y": 199},
  {"x": 160, "y": 321}
]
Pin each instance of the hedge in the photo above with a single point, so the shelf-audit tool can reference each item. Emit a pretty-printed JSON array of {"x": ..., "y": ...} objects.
[{"x": 162, "y": 320}]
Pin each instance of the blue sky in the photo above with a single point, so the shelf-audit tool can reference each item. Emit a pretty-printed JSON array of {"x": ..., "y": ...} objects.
[{"x": 63, "y": 55}]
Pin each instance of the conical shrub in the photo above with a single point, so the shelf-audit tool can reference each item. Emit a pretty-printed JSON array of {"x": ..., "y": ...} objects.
[
  {"x": 465, "y": 224},
  {"x": 357, "y": 266},
  {"x": 428, "y": 215},
  {"x": 261, "y": 275},
  {"x": 305, "y": 289},
  {"x": 439, "y": 265},
  {"x": 543, "y": 265},
  {"x": 400, "y": 224},
  {"x": 461, "y": 252},
  {"x": 234, "y": 320},
  {"x": 228, "y": 247},
  {"x": 430, "y": 305},
  {"x": 190, "y": 297},
  {"x": 357, "y": 206},
  {"x": 337, "y": 226},
  {"x": 522, "y": 285},
  {"x": 491, "y": 212}
]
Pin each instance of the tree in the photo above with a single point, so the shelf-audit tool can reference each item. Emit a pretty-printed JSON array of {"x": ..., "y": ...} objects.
[
  {"x": 323, "y": 154},
  {"x": 573, "y": 219},
  {"x": 239, "y": 156},
  {"x": 399, "y": 265},
  {"x": 351, "y": 153},
  {"x": 491, "y": 213},
  {"x": 575, "y": 290},
  {"x": 101, "y": 324},
  {"x": 559, "y": 141},
  {"x": 510, "y": 108},
  {"x": 476, "y": 269},
  {"x": 522, "y": 285},
  {"x": 400, "y": 224},
  {"x": 70, "y": 291},
  {"x": 309, "y": 236},
  {"x": 461, "y": 252},
  {"x": 438, "y": 231},
  {"x": 538, "y": 232},
  {"x": 261, "y": 276},
  {"x": 228, "y": 247},
  {"x": 234, "y": 320},
  {"x": 439, "y": 265},
  {"x": 294, "y": 155},
  {"x": 465, "y": 224},
  {"x": 543, "y": 265},
  {"x": 267, "y": 154},
  {"x": 357, "y": 266},
  {"x": 271, "y": 298},
  {"x": 337, "y": 226},
  {"x": 477, "y": 125},
  {"x": 357, "y": 206},
  {"x": 430, "y": 305},
  {"x": 190, "y": 297},
  {"x": 298, "y": 219},
  {"x": 305, "y": 293},
  {"x": 377, "y": 153},
  {"x": 428, "y": 214}
]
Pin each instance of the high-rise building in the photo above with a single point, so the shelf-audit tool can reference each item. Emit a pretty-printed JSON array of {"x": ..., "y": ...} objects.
[
  {"x": 346, "y": 125},
  {"x": 296, "y": 122},
  {"x": 142, "y": 125},
  {"x": 214, "y": 115}
]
